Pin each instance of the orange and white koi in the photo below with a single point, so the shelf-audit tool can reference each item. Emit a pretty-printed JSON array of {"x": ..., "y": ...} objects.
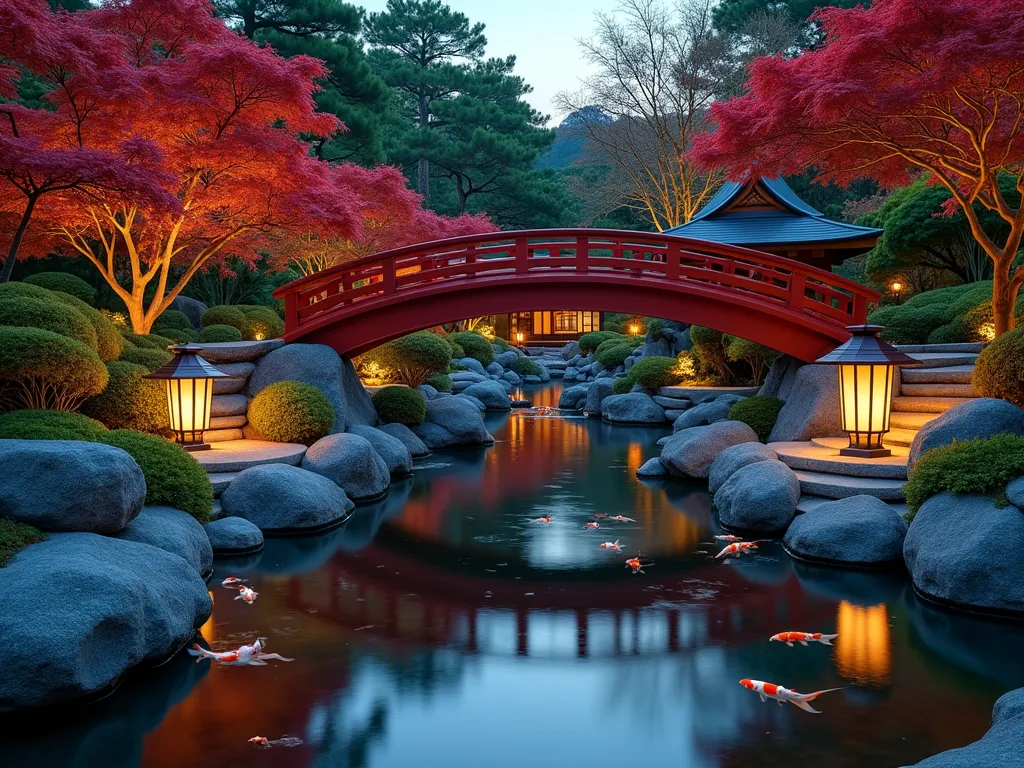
[
  {"x": 248, "y": 594},
  {"x": 636, "y": 564},
  {"x": 612, "y": 545},
  {"x": 230, "y": 581},
  {"x": 284, "y": 741},
  {"x": 622, "y": 519},
  {"x": 260, "y": 741},
  {"x": 245, "y": 655},
  {"x": 545, "y": 519},
  {"x": 592, "y": 526},
  {"x": 782, "y": 695},
  {"x": 600, "y": 515},
  {"x": 728, "y": 537},
  {"x": 802, "y": 637},
  {"x": 738, "y": 548}
]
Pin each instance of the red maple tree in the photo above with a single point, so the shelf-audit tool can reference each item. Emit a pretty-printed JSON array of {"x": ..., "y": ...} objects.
[{"x": 899, "y": 89}]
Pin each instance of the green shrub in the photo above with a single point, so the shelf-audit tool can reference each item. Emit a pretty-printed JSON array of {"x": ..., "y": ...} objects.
[
  {"x": 999, "y": 369},
  {"x": 150, "y": 359},
  {"x": 50, "y": 425},
  {"x": 418, "y": 356},
  {"x": 260, "y": 322},
  {"x": 983, "y": 465},
  {"x": 757, "y": 356},
  {"x": 42, "y": 369},
  {"x": 955, "y": 332},
  {"x": 178, "y": 336},
  {"x": 709, "y": 351},
  {"x": 224, "y": 314},
  {"x": 631, "y": 341},
  {"x": 453, "y": 367},
  {"x": 500, "y": 343},
  {"x": 524, "y": 366},
  {"x": 145, "y": 341},
  {"x": 48, "y": 314},
  {"x": 291, "y": 412},
  {"x": 173, "y": 477},
  {"x": 458, "y": 351},
  {"x": 215, "y": 334},
  {"x": 400, "y": 405},
  {"x": 656, "y": 372},
  {"x": 589, "y": 342},
  {"x": 475, "y": 346},
  {"x": 914, "y": 324},
  {"x": 613, "y": 356},
  {"x": 442, "y": 382},
  {"x": 172, "y": 319},
  {"x": 129, "y": 400},
  {"x": 655, "y": 328},
  {"x": 109, "y": 342},
  {"x": 625, "y": 384},
  {"x": 14, "y": 537},
  {"x": 64, "y": 282},
  {"x": 759, "y": 413}
]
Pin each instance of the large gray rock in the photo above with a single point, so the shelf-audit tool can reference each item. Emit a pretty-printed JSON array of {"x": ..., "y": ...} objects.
[
  {"x": 652, "y": 468},
  {"x": 962, "y": 549},
  {"x": 388, "y": 447},
  {"x": 705, "y": 413},
  {"x": 413, "y": 444},
  {"x": 239, "y": 351},
  {"x": 467, "y": 377},
  {"x": 573, "y": 398},
  {"x": 689, "y": 453},
  {"x": 506, "y": 359},
  {"x": 172, "y": 530},
  {"x": 452, "y": 423},
  {"x": 352, "y": 463},
  {"x": 491, "y": 394},
  {"x": 983, "y": 417},
  {"x": 234, "y": 535},
  {"x": 781, "y": 376},
  {"x": 469, "y": 398},
  {"x": 193, "y": 308},
  {"x": 597, "y": 393},
  {"x": 736, "y": 457},
  {"x": 859, "y": 530},
  {"x": 570, "y": 350},
  {"x": 314, "y": 364},
  {"x": 812, "y": 406},
  {"x": 80, "y": 609},
  {"x": 632, "y": 408},
  {"x": 512, "y": 378},
  {"x": 472, "y": 364},
  {"x": 1002, "y": 745},
  {"x": 282, "y": 498},
  {"x": 759, "y": 497},
  {"x": 358, "y": 403},
  {"x": 66, "y": 485}
]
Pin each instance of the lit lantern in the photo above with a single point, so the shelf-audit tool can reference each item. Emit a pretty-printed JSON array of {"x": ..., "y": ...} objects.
[
  {"x": 189, "y": 385},
  {"x": 519, "y": 337},
  {"x": 634, "y": 329},
  {"x": 897, "y": 289},
  {"x": 866, "y": 368}
]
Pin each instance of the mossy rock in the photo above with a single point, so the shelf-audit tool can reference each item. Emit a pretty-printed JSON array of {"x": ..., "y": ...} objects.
[
  {"x": 759, "y": 413},
  {"x": 130, "y": 401},
  {"x": 400, "y": 405},
  {"x": 291, "y": 412},
  {"x": 64, "y": 282},
  {"x": 50, "y": 425}
]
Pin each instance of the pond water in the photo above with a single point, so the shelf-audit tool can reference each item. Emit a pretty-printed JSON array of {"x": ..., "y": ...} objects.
[{"x": 444, "y": 626}]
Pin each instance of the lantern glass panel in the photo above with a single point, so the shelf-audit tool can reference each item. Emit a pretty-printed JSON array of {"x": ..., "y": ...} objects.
[
  {"x": 189, "y": 402},
  {"x": 865, "y": 392}
]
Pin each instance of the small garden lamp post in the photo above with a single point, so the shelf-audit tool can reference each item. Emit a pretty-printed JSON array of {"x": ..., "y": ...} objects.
[
  {"x": 189, "y": 385},
  {"x": 866, "y": 366},
  {"x": 897, "y": 288},
  {"x": 634, "y": 329},
  {"x": 519, "y": 338}
]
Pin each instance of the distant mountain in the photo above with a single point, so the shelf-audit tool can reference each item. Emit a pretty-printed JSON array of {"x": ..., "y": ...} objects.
[{"x": 568, "y": 143}]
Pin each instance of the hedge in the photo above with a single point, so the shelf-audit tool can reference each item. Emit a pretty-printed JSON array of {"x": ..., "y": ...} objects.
[
  {"x": 260, "y": 322},
  {"x": 291, "y": 412},
  {"x": 173, "y": 477},
  {"x": 172, "y": 319},
  {"x": 42, "y": 369},
  {"x": 524, "y": 366},
  {"x": 475, "y": 346},
  {"x": 224, "y": 314},
  {"x": 215, "y": 334},
  {"x": 401, "y": 405},
  {"x": 64, "y": 282},
  {"x": 984, "y": 465},
  {"x": 148, "y": 358},
  {"x": 14, "y": 537},
  {"x": 589, "y": 342},
  {"x": 48, "y": 314},
  {"x": 129, "y": 400},
  {"x": 442, "y": 382},
  {"x": 759, "y": 413},
  {"x": 999, "y": 369},
  {"x": 109, "y": 342},
  {"x": 50, "y": 425},
  {"x": 178, "y": 336},
  {"x": 419, "y": 356},
  {"x": 613, "y": 356}
]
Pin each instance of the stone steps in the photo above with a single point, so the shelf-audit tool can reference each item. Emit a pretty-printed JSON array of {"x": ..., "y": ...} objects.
[
  {"x": 236, "y": 455},
  {"x": 228, "y": 422},
  {"x": 899, "y": 438},
  {"x": 968, "y": 347},
  {"x": 842, "y": 486},
  {"x": 938, "y": 389},
  {"x": 934, "y": 405},
  {"x": 910, "y": 420},
  {"x": 942, "y": 359},
  {"x": 822, "y": 457},
  {"x": 220, "y": 481},
  {"x": 222, "y": 435},
  {"x": 808, "y": 503},
  {"x": 950, "y": 374},
  {"x": 229, "y": 405}
]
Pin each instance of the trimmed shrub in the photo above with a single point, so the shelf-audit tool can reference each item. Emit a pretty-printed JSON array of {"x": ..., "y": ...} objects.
[
  {"x": 419, "y": 355},
  {"x": 631, "y": 341},
  {"x": 129, "y": 400},
  {"x": 759, "y": 413},
  {"x": 999, "y": 369},
  {"x": 757, "y": 356},
  {"x": 148, "y": 358},
  {"x": 623, "y": 385},
  {"x": 145, "y": 341},
  {"x": 475, "y": 346},
  {"x": 656, "y": 372},
  {"x": 709, "y": 351},
  {"x": 215, "y": 334},
  {"x": 457, "y": 350},
  {"x": 14, "y": 537},
  {"x": 48, "y": 314},
  {"x": 43, "y": 369},
  {"x": 914, "y": 324},
  {"x": 291, "y": 412},
  {"x": 260, "y": 322},
  {"x": 172, "y": 319},
  {"x": 984, "y": 465},
  {"x": 955, "y": 332},
  {"x": 655, "y": 328},
  {"x": 64, "y": 282},
  {"x": 50, "y": 425},
  {"x": 589, "y": 342},
  {"x": 173, "y": 477},
  {"x": 500, "y": 343},
  {"x": 442, "y": 382},
  {"x": 400, "y": 405},
  {"x": 614, "y": 355},
  {"x": 109, "y": 342},
  {"x": 524, "y": 366},
  {"x": 178, "y": 336},
  {"x": 224, "y": 314}
]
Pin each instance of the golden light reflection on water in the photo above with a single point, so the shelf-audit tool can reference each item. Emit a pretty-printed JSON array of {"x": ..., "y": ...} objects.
[
  {"x": 207, "y": 629},
  {"x": 863, "y": 648}
]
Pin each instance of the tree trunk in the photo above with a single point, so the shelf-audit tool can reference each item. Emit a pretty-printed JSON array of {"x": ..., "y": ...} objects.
[
  {"x": 1003, "y": 297},
  {"x": 423, "y": 165},
  {"x": 19, "y": 234}
]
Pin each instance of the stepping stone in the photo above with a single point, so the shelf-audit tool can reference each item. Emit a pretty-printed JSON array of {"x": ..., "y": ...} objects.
[
  {"x": 943, "y": 359},
  {"x": 938, "y": 389},
  {"x": 228, "y": 422},
  {"x": 238, "y": 351},
  {"x": 959, "y": 374},
  {"x": 907, "y": 420},
  {"x": 927, "y": 404},
  {"x": 899, "y": 438},
  {"x": 841, "y": 486},
  {"x": 808, "y": 503},
  {"x": 236, "y": 455},
  {"x": 229, "y": 405},
  {"x": 221, "y": 480},
  {"x": 819, "y": 456},
  {"x": 222, "y": 435}
]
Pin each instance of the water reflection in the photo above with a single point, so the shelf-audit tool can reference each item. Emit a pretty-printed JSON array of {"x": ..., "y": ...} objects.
[{"x": 863, "y": 648}]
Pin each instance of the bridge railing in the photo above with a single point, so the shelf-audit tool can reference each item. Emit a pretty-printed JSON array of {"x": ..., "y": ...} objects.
[{"x": 625, "y": 255}]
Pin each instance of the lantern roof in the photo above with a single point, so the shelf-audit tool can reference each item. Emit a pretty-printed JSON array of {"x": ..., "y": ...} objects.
[
  {"x": 865, "y": 348},
  {"x": 186, "y": 364}
]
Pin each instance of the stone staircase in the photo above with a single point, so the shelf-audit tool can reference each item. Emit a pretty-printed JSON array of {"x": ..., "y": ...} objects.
[{"x": 926, "y": 392}]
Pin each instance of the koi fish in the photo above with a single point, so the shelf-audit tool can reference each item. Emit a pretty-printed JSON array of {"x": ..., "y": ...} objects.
[
  {"x": 246, "y": 655},
  {"x": 728, "y": 537},
  {"x": 546, "y": 519},
  {"x": 636, "y": 564},
  {"x": 612, "y": 545},
  {"x": 802, "y": 637},
  {"x": 600, "y": 515},
  {"x": 260, "y": 741},
  {"x": 622, "y": 519},
  {"x": 592, "y": 526},
  {"x": 284, "y": 741},
  {"x": 248, "y": 594},
  {"x": 771, "y": 691},
  {"x": 738, "y": 548},
  {"x": 230, "y": 581}
]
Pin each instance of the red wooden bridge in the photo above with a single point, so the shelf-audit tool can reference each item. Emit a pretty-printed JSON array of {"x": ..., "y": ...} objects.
[{"x": 785, "y": 304}]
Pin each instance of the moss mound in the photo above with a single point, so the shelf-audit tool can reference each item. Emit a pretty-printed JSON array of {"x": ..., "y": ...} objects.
[
  {"x": 291, "y": 412},
  {"x": 14, "y": 537},
  {"x": 656, "y": 372},
  {"x": 215, "y": 334},
  {"x": 172, "y": 319},
  {"x": 109, "y": 342},
  {"x": 589, "y": 342},
  {"x": 999, "y": 369},
  {"x": 260, "y": 322},
  {"x": 613, "y": 355},
  {"x": 130, "y": 401},
  {"x": 49, "y": 314},
  {"x": 179, "y": 336},
  {"x": 442, "y": 382},
  {"x": 759, "y": 413},
  {"x": 524, "y": 366},
  {"x": 64, "y": 282},
  {"x": 400, "y": 405},
  {"x": 475, "y": 345},
  {"x": 43, "y": 369},
  {"x": 50, "y": 425},
  {"x": 224, "y": 314},
  {"x": 148, "y": 358}
]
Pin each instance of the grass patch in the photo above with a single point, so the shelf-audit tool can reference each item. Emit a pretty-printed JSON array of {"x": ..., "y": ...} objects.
[{"x": 14, "y": 537}]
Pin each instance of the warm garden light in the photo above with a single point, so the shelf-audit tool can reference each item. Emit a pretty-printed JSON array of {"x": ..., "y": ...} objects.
[
  {"x": 189, "y": 385},
  {"x": 866, "y": 368},
  {"x": 634, "y": 329},
  {"x": 519, "y": 337}
]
